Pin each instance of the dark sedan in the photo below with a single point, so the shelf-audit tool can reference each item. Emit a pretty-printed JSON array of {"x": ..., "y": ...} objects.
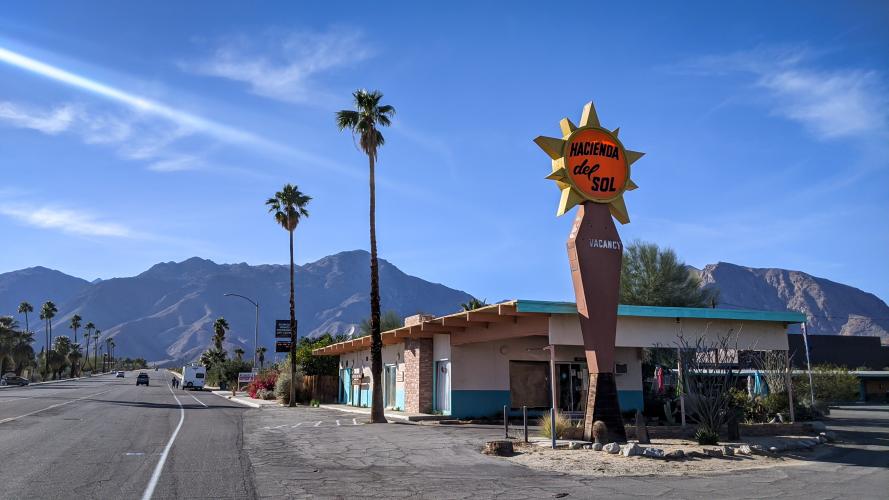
[
  {"x": 13, "y": 380},
  {"x": 142, "y": 379}
]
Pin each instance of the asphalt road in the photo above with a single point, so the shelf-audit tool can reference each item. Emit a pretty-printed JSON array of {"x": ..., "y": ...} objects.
[{"x": 104, "y": 437}]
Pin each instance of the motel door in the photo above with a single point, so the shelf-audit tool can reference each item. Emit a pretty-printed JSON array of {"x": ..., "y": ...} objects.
[
  {"x": 389, "y": 392},
  {"x": 345, "y": 386},
  {"x": 443, "y": 387},
  {"x": 573, "y": 380}
]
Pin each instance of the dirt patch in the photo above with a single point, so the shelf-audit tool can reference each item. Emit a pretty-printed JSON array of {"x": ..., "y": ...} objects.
[{"x": 599, "y": 463}]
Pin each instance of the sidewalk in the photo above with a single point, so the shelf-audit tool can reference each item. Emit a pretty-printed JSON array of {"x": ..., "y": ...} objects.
[
  {"x": 389, "y": 414},
  {"x": 244, "y": 399}
]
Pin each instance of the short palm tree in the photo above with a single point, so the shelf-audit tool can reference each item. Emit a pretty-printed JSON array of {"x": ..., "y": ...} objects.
[
  {"x": 260, "y": 355},
  {"x": 22, "y": 352},
  {"x": 89, "y": 327},
  {"x": 288, "y": 206},
  {"x": 8, "y": 333},
  {"x": 220, "y": 326},
  {"x": 364, "y": 122},
  {"x": 239, "y": 353},
  {"x": 74, "y": 325},
  {"x": 74, "y": 358},
  {"x": 25, "y": 308}
]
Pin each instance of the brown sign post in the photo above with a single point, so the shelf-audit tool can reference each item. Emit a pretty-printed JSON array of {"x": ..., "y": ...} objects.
[{"x": 592, "y": 169}]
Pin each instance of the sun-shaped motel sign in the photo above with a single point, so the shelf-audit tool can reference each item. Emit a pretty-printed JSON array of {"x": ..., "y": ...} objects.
[
  {"x": 589, "y": 163},
  {"x": 592, "y": 169}
]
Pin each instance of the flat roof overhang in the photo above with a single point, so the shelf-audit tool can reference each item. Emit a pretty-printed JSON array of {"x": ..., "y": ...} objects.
[{"x": 512, "y": 310}]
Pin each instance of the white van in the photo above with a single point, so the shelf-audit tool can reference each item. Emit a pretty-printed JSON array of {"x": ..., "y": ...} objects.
[{"x": 193, "y": 377}]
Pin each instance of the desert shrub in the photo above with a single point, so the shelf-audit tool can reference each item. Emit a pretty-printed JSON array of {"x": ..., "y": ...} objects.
[
  {"x": 263, "y": 381},
  {"x": 706, "y": 436},
  {"x": 282, "y": 387},
  {"x": 265, "y": 394},
  {"x": 563, "y": 425},
  {"x": 600, "y": 431},
  {"x": 315, "y": 403},
  {"x": 832, "y": 383}
]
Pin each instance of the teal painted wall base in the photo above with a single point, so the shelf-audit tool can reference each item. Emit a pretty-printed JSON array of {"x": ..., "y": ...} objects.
[
  {"x": 465, "y": 404},
  {"x": 399, "y": 399},
  {"x": 630, "y": 400}
]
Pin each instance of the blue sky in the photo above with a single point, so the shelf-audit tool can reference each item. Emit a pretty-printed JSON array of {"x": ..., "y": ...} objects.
[{"x": 133, "y": 134}]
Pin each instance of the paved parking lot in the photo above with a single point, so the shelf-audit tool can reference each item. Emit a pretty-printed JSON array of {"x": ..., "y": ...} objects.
[{"x": 302, "y": 452}]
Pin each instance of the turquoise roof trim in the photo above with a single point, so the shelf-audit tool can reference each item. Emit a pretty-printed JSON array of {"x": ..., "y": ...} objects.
[{"x": 541, "y": 306}]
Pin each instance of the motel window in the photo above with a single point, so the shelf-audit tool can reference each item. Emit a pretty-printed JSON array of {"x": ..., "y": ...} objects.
[{"x": 529, "y": 384}]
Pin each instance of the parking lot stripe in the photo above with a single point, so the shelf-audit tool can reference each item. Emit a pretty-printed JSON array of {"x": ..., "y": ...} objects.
[
  {"x": 297, "y": 425},
  {"x": 354, "y": 421},
  {"x": 317, "y": 424},
  {"x": 337, "y": 422}
]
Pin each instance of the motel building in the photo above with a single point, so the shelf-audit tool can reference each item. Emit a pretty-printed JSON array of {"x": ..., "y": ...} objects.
[{"x": 471, "y": 364}]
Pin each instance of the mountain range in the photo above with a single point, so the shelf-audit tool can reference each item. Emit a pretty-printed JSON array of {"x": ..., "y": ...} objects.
[{"x": 166, "y": 313}]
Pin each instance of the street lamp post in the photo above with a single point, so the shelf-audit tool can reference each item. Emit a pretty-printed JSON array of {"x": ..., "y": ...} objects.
[{"x": 256, "y": 327}]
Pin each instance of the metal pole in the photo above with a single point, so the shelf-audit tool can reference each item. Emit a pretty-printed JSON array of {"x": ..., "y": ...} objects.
[
  {"x": 808, "y": 365},
  {"x": 256, "y": 337},
  {"x": 506, "y": 422},
  {"x": 525, "y": 421},
  {"x": 552, "y": 383}
]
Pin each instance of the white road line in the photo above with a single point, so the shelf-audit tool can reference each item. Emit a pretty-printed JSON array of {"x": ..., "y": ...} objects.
[
  {"x": 156, "y": 475},
  {"x": 354, "y": 421},
  {"x": 297, "y": 425},
  {"x": 198, "y": 400},
  {"x": 317, "y": 424},
  {"x": 10, "y": 419},
  {"x": 337, "y": 422}
]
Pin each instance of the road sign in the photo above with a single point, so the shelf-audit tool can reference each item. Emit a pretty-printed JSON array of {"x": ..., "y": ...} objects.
[
  {"x": 282, "y": 346},
  {"x": 245, "y": 377},
  {"x": 282, "y": 328}
]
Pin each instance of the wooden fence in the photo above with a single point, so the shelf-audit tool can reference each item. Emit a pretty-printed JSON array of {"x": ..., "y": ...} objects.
[{"x": 324, "y": 388}]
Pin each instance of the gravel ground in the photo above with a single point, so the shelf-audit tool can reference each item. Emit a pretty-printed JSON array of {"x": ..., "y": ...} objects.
[{"x": 600, "y": 463}]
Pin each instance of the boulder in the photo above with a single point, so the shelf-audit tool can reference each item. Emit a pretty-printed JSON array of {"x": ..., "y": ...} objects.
[
  {"x": 653, "y": 453},
  {"x": 728, "y": 451},
  {"x": 612, "y": 448},
  {"x": 574, "y": 445},
  {"x": 830, "y": 436},
  {"x": 744, "y": 449},
  {"x": 675, "y": 455},
  {"x": 597, "y": 446},
  {"x": 713, "y": 452},
  {"x": 630, "y": 450},
  {"x": 757, "y": 449},
  {"x": 641, "y": 429}
]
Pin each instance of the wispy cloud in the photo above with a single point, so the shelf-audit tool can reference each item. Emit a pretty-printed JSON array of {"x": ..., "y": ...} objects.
[
  {"x": 50, "y": 122},
  {"x": 67, "y": 220},
  {"x": 283, "y": 66},
  {"x": 831, "y": 103}
]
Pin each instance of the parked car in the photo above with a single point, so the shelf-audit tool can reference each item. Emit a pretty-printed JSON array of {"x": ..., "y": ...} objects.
[
  {"x": 119, "y": 374},
  {"x": 142, "y": 379},
  {"x": 13, "y": 380}
]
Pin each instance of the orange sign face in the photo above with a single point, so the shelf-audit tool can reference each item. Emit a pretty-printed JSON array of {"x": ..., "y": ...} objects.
[{"x": 596, "y": 164}]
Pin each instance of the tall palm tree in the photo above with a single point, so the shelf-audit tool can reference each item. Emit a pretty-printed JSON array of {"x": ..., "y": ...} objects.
[
  {"x": 219, "y": 329},
  {"x": 108, "y": 350},
  {"x": 288, "y": 206},
  {"x": 47, "y": 312},
  {"x": 96, "y": 350},
  {"x": 25, "y": 308},
  {"x": 260, "y": 355},
  {"x": 111, "y": 346},
  {"x": 22, "y": 352},
  {"x": 239, "y": 353},
  {"x": 89, "y": 332},
  {"x": 364, "y": 122},
  {"x": 74, "y": 325},
  {"x": 8, "y": 326}
]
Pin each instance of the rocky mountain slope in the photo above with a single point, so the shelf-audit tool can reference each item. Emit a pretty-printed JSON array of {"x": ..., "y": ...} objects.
[
  {"x": 831, "y": 308},
  {"x": 166, "y": 313}
]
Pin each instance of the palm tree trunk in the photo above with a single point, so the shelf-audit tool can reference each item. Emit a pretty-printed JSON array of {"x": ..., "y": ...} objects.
[
  {"x": 376, "y": 342},
  {"x": 292, "y": 329}
]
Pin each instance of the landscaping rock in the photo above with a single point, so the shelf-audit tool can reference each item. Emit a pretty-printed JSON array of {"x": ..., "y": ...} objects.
[
  {"x": 641, "y": 429},
  {"x": 728, "y": 451},
  {"x": 713, "y": 452},
  {"x": 775, "y": 449},
  {"x": 630, "y": 450},
  {"x": 675, "y": 455},
  {"x": 597, "y": 446},
  {"x": 744, "y": 449},
  {"x": 653, "y": 453},
  {"x": 612, "y": 448},
  {"x": 757, "y": 449},
  {"x": 587, "y": 447},
  {"x": 574, "y": 445},
  {"x": 696, "y": 454},
  {"x": 830, "y": 436},
  {"x": 816, "y": 426}
]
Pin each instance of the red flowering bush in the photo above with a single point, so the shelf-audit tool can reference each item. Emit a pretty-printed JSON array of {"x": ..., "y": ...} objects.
[{"x": 264, "y": 381}]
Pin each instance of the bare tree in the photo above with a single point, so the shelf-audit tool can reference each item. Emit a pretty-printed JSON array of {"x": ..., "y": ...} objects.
[
  {"x": 708, "y": 370},
  {"x": 775, "y": 369}
]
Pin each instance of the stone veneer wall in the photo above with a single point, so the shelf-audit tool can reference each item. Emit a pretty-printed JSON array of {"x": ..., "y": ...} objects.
[{"x": 418, "y": 375}]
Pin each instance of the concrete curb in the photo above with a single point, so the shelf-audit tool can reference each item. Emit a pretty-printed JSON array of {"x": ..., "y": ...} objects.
[{"x": 238, "y": 400}]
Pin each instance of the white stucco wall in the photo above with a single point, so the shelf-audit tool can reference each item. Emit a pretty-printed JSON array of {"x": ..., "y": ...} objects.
[
  {"x": 648, "y": 332},
  {"x": 441, "y": 347}
]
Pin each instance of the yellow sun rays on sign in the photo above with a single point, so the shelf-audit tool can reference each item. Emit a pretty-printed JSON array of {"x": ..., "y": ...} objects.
[{"x": 589, "y": 163}]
